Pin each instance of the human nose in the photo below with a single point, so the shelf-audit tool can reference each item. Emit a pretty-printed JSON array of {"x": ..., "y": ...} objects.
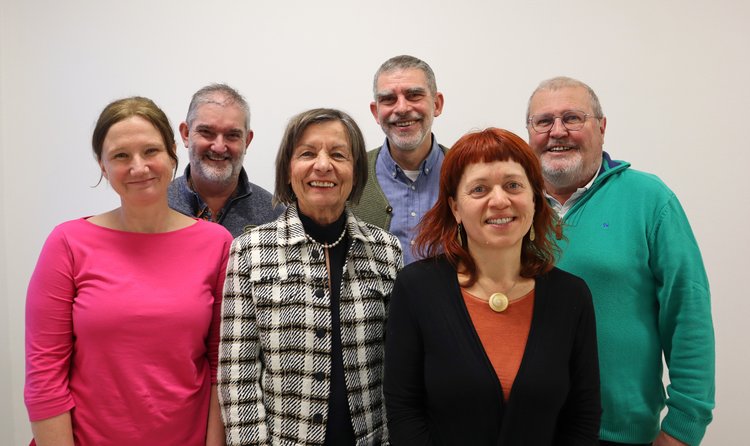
[
  {"x": 498, "y": 198},
  {"x": 402, "y": 105},
  {"x": 138, "y": 165},
  {"x": 558, "y": 129},
  {"x": 219, "y": 144},
  {"x": 322, "y": 162}
]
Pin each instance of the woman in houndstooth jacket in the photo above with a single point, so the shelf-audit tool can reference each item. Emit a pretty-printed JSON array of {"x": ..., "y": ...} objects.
[{"x": 306, "y": 296}]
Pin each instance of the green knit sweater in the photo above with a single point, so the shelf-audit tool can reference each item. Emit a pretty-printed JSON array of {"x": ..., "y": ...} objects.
[{"x": 629, "y": 238}]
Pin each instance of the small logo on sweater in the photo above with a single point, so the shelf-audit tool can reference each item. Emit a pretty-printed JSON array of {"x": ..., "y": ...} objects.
[{"x": 605, "y": 225}]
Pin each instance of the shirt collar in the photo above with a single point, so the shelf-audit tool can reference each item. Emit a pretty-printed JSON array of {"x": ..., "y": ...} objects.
[{"x": 427, "y": 165}]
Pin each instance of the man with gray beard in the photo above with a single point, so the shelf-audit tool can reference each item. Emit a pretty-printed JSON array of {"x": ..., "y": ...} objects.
[
  {"x": 215, "y": 186},
  {"x": 625, "y": 233},
  {"x": 404, "y": 173}
]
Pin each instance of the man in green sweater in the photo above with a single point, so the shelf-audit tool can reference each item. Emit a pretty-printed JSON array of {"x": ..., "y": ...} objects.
[{"x": 625, "y": 233}]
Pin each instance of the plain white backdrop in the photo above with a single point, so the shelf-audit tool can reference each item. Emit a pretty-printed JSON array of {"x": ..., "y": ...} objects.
[{"x": 672, "y": 77}]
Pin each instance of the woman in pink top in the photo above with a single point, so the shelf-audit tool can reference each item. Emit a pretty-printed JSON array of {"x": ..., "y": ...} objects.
[{"x": 123, "y": 308}]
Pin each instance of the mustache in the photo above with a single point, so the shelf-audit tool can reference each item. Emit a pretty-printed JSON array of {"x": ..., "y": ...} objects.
[{"x": 408, "y": 117}]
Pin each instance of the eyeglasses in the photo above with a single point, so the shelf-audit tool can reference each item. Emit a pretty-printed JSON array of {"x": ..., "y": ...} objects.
[{"x": 571, "y": 120}]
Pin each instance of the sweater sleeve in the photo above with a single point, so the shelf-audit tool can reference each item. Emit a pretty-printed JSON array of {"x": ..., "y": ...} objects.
[
  {"x": 240, "y": 391},
  {"x": 685, "y": 325},
  {"x": 49, "y": 330},
  {"x": 404, "y": 386},
  {"x": 580, "y": 417}
]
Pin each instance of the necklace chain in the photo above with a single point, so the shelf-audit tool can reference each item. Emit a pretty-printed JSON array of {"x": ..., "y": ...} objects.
[{"x": 327, "y": 245}]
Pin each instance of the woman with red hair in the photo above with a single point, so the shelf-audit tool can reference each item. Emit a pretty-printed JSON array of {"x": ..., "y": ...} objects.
[{"x": 488, "y": 343}]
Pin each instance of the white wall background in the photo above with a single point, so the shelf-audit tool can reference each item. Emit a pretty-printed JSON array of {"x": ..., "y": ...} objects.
[{"x": 672, "y": 77}]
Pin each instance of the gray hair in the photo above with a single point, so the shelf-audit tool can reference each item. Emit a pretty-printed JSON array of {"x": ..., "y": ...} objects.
[
  {"x": 208, "y": 95},
  {"x": 560, "y": 82},
  {"x": 405, "y": 62},
  {"x": 283, "y": 192}
]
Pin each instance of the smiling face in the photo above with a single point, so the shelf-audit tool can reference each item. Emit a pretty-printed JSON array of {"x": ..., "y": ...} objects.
[
  {"x": 216, "y": 140},
  {"x": 404, "y": 107},
  {"x": 321, "y": 171},
  {"x": 569, "y": 158},
  {"x": 495, "y": 203},
  {"x": 135, "y": 161}
]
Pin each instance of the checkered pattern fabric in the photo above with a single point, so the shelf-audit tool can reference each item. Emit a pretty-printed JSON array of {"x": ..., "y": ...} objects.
[{"x": 275, "y": 353}]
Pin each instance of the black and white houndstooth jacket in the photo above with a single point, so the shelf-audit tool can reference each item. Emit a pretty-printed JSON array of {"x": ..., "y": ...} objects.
[{"x": 275, "y": 353}]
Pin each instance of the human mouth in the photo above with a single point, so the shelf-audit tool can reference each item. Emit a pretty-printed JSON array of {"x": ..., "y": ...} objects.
[
  {"x": 499, "y": 221},
  {"x": 404, "y": 123},
  {"x": 321, "y": 184},
  {"x": 558, "y": 149},
  {"x": 216, "y": 156}
]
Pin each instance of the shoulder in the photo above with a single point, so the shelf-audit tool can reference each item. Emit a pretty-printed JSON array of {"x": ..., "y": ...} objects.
[
  {"x": 428, "y": 271},
  {"x": 636, "y": 180},
  {"x": 372, "y": 155},
  {"x": 213, "y": 230},
  {"x": 562, "y": 283}
]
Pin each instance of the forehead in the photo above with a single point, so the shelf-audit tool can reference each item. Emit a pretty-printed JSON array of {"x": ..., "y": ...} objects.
[
  {"x": 133, "y": 128},
  {"x": 402, "y": 78},
  {"x": 328, "y": 133},
  {"x": 220, "y": 114},
  {"x": 493, "y": 170},
  {"x": 560, "y": 100}
]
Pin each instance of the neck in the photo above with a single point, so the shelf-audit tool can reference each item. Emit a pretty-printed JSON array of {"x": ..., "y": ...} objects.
[
  {"x": 561, "y": 194},
  {"x": 214, "y": 195},
  {"x": 147, "y": 219},
  {"x": 500, "y": 267},
  {"x": 411, "y": 159}
]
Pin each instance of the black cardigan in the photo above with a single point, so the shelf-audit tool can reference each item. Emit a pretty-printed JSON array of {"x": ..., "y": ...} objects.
[{"x": 441, "y": 389}]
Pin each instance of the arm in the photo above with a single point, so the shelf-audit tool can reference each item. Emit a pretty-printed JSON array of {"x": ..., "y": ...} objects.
[
  {"x": 55, "y": 431},
  {"x": 240, "y": 366},
  {"x": 404, "y": 387},
  {"x": 580, "y": 417},
  {"x": 215, "y": 431},
  {"x": 667, "y": 440},
  {"x": 685, "y": 325},
  {"x": 49, "y": 342}
]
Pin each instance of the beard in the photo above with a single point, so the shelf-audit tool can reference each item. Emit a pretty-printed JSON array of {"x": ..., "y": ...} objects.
[
  {"x": 568, "y": 173},
  {"x": 224, "y": 175},
  {"x": 408, "y": 142}
]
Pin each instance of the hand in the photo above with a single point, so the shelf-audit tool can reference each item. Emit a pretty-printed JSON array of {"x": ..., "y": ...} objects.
[{"x": 664, "y": 439}]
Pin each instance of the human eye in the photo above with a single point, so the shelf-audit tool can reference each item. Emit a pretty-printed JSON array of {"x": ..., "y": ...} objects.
[
  {"x": 542, "y": 120},
  {"x": 573, "y": 118},
  {"x": 152, "y": 150},
  {"x": 415, "y": 96},
  {"x": 119, "y": 155},
  {"x": 205, "y": 133},
  {"x": 388, "y": 99},
  {"x": 339, "y": 155},
  {"x": 477, "y": 189},
  {"x": 234, "y": 136},
  {"x": 514, "y": 186},
  {"x": 305, "y": 154}
]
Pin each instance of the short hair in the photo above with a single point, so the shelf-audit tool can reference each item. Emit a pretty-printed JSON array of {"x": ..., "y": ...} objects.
[
  {"x": 283, "y": 192},
  {"x": 438, "y": 230},
  {"x": 123, "y": 109},
  {"x": 206, "y": 95},
  {"x": 405, "y": 62},
  {"x": 560, "y": 82}
]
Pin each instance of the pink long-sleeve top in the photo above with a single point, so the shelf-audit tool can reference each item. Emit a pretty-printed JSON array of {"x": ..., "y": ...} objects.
[{"x": 122, "y": 330}]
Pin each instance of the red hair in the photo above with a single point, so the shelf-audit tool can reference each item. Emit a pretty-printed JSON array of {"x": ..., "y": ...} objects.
[{"x": 438, "y": 229}]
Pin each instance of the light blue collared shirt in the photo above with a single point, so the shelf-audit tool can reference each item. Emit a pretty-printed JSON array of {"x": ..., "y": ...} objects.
[{"x": 409, "y": 199}]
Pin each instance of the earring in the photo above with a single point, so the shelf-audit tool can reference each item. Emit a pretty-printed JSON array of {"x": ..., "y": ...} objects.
[
  {"x": 458, "y": 234},
  {"x": 532, "y": 234}
]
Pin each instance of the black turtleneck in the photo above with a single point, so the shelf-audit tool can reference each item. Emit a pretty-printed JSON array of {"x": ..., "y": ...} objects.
[{"x": 339, "y": 430}]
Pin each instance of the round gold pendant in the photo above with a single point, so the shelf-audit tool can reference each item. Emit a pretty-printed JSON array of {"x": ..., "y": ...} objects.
[{"x": 498, "y": 302}]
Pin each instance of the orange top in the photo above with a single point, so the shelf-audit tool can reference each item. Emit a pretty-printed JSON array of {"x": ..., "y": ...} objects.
[{"x": 503, "y": 335}]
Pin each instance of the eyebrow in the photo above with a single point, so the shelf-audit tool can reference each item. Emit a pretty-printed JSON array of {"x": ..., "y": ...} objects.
[{"x": 410, "y": 90}]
